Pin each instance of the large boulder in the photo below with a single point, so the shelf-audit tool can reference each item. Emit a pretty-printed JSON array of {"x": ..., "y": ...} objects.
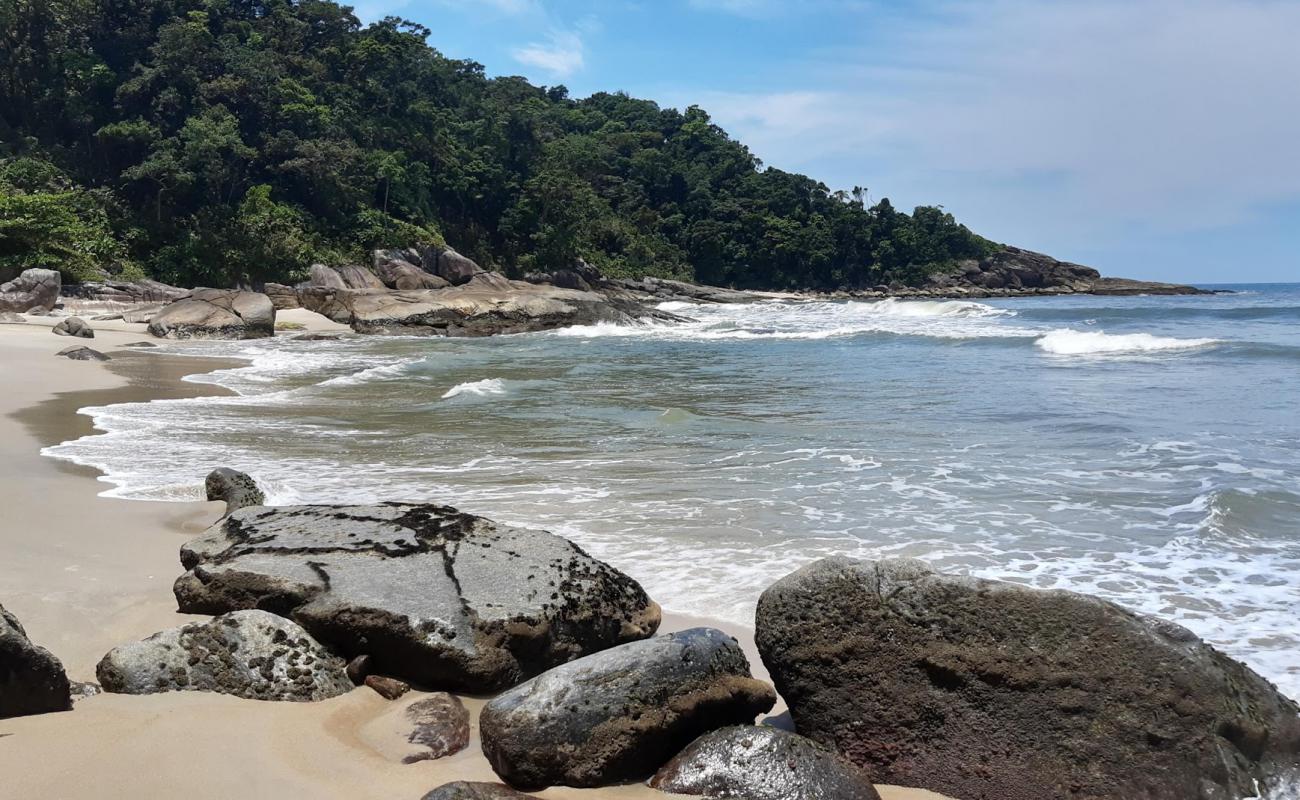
[
  {"x": 250, "y": 654},
  {"x": 762, "y": 763},
  {"x": 237, "y": 489},
  {"x": 82, "y": 353},
  {"x": 620, "y": 714},
  {"x": 141, "y": 291},
  {"x": 400, "y": 269},
  {"x": 474, "y": 790},
  {"x": 434, "y": 596},
  {"x": 74, "y": 326},
  {"x": 358, "y": 277},
  {"x": 216, "y": 314},
  {"x": 33, "y": 290},
  {"x": 32, "y": 681},
  {"x": 325, "y": 277},
  {"x": 449, "y": 265},
  {"x": 982, "y": 689},
  {"x": 486, "y": 305},
  {"x": 282, "y": 297}
]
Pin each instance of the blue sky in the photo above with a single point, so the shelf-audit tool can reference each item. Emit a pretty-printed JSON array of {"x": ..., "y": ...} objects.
[{"x": 1149, "y": 138}]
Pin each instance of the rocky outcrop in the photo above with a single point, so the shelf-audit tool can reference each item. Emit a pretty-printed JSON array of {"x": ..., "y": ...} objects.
[
  {"x": 981, "y": 689},
  {"x": 250, "y": 654},
  {"x": 441, "y": 598},
  {"x": 663, "y": 290},
  {"x": 448, "y": 264},
  {"x": 216, "y": 314},
  {"x": 486, "y": 305},
  {"x": 35, "y": 290},
  {"x": 237, "y": 489},
  {"x": 282, "y": 297},
  {"x": 325, "y": 277},
  {"x": 762, "y": 763},
  {"x": 358, "y": 277},
  {"x": 74, "y": 326},
  {"x": 471, "y": 790},
  {"x": 1016, "y": 270},
  {"x": 32, "y": 681},
  {"x": 82, "y": 353},
  {"x": 620, "y": 714},
  {"x": 141, "y": 291}
]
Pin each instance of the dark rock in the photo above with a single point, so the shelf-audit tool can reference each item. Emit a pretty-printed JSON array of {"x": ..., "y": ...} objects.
[
  {"x": 399, "y": 269},
  {"x": 82, "y": 353},
  {"x": 663, "y": 290},
  {"x": 142, "y": 291},
  {"x": 981, "y": 689},
  {"x": 359, "y": 669},
  {"x": 471, "y": 790},
  {"x": 32, "y": 680},
  {"x": 1019, "y": 272},
  {"x": 282, "y": 297},
  {"x": 32, "y": 291},
  {"x": 237, "y": 489},
  {"x": 439, "y": 727},
  {"x": 358, "y": 277},
  {"x": 387, "y": 688},
  {"x": 434, "y": 596},
  {"x": 140, "y": 344},
  {"x": 449, "y": 265},
  {"x": 762, "y": 763},
  {"x": 216, "y": 314},
  {"x": 74, "y": 326},
  {"x": 250, "y": 654},
  {"x": 620, "y": 714}
]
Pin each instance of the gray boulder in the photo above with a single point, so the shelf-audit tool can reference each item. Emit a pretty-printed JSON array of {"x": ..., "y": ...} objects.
[
  {"x": 82, "y": 353},
  {"x": 236, "y": 488},
  {"x": 35, "y": 290},
  {"x": 439, "y": 726},
  {"x": 325, "y": 277},
  {"x": 32, "y": 681},
  {"x": 358, "y": 277},
  {"x": 216, "y": 314},
  {"x": 399, "y": 269},
  {"x": 141, "y": 291},
  {"x": 282, "y": 297},
  {"x": 620, "y": 714},
  {"x": 976, "y": 688},
  {"x": 434, "y": 596},
  {"x": 449, "y": 265},
  {"x": 473, "y": 790},
  {"x": 762, "y": 763},
  {"x": 74, "y": 326},
  {"x": 250, "y": 654}
]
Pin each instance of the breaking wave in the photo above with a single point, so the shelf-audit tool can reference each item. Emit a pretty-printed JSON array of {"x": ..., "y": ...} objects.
[
  {"x": 483, "y": 388},
  {"x": 1069, "y": 342}
]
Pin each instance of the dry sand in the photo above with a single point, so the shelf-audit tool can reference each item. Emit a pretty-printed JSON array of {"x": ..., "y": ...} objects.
[{"x": 85, "y": 573}]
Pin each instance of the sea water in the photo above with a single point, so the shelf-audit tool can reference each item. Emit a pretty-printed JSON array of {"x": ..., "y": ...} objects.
[{"x": 1144, "y": 449}]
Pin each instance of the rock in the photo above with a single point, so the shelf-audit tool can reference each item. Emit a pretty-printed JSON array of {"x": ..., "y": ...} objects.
[
  {"x": 325, "y": 277},
  {"x": 472, "y": 790},
  {"x": 762, "y": 763},
  {"x": 237, "y": 489},
  {"x": 981, "y": 689},
  {"x": 252, "y": 654},
  {"x": 485, "y": 306},
  {"x": 82, "y": 353},
  {"x": 282, "y": 297},
  {"x": 359, "y": 669},
  {"x": 439, "y": 727},
  {"x": 358, "y": 277},
  {"x": 140, "y": 344},
  {"x": 33, "y": 290},
  {"x": 11, "y": 317},
  {"x": 449, "y": 265},
  {"x": 142, "y": 291},
  {"x": 74, "y": 326},
  {"x": 387, "y": 688},
  {"x": 396, "y": 269},
  {"x": 216, "y": 314},
  {"x": 81, "y": 690},
  {"x": 32, "y": 680},
  {"x": 1022, "y": 272},
  {"x": 665, "y": 290},
  {"x": 140, "y": 315},
  {"x": 433, "y": 596},
  {"x": 620, "y": 714}
]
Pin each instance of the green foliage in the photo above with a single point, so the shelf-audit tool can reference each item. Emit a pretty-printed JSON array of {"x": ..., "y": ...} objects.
[{"x": 217, "y": 142}]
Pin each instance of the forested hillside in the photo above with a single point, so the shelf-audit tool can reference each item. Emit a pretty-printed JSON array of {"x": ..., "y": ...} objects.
[{"x": 222, "y": 141}]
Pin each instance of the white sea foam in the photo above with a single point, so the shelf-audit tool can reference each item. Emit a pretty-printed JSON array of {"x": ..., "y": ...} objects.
[
  {"x": 1068, "y": 342},
  {"x": 483, "y": 388},
  {"x": 382, "y": 372}
]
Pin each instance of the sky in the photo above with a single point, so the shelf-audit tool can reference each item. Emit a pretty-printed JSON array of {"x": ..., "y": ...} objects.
[{"x": 1155, "y": 139}]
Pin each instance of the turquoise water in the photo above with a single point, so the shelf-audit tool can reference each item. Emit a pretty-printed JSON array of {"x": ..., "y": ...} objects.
[{"x": 1144, "y": 449}]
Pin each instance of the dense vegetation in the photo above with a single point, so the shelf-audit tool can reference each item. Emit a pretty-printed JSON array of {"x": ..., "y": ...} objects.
[{"x": 216, "y": 141}]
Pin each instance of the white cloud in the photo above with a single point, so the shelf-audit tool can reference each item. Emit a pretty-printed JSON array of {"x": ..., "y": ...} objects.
[
  {"x": 561, "y": 55},
  {"x": 1052, "y": 119}
]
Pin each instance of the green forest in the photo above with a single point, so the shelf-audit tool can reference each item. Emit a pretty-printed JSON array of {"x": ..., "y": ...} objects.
[{"x": 216, "y": 142}]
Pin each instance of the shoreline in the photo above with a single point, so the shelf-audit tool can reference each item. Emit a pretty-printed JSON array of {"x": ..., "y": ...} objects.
[{"x": 85, "y": 573}]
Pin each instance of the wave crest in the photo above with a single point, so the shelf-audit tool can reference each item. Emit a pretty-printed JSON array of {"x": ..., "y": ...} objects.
[
  {"x": 1069, "y": 342},
  {"x": 483, "y": 388}
]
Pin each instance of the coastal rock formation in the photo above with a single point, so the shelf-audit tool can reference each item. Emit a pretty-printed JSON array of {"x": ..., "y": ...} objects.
[
  {"x": 32, "y": 680},
  {"x": 448, "y": 264},
  {"x": 620, "y": 714},
  {"x": 1015, "y": 269},
  {"x": 74, "y": 326},
  {"x": 982, "y": 689},
  {"x": 762, "y": 763},
  {"x": 141, "y": 291},
  {"x": 33, "y": 290},
  {"x": 399, "y": 269},
  {"x": 432, "y": 595},
  {"x": 236, "y": 488},
  {"x": 472, "y": 790},
  {"x": 282, "y": 297},
  {"x": 358, "y": 277},
  {"x": 487, "y": 304},
  {"x": 250, "y": 654},
  {"x": 662, "y": 290},
  {"x": 325, "y": 277},
  {"x": 82, "y": 353},
  {"x": 216, "y": 314}
]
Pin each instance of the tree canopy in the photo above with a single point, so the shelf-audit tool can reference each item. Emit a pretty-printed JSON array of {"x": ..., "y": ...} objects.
[{"x": 227, "y": 141}]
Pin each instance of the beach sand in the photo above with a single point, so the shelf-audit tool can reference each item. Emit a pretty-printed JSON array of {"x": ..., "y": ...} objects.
[{"x": 85, "y": 573}]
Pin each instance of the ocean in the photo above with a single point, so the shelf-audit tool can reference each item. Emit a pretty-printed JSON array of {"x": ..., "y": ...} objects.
[{"x": 1143, "y": 449}]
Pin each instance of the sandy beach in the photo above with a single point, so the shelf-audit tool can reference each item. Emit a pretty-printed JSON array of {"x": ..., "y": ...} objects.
[{"x": 85, "y": 573}]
